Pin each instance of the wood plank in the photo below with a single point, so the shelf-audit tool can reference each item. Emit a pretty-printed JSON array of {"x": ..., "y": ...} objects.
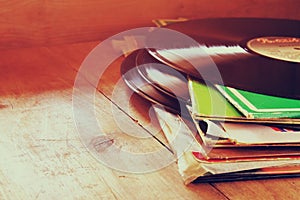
[
  {"x": 287, "y": 188},
  {"x": 42, "y": 154},
  {"x": 31, "y": 22}
]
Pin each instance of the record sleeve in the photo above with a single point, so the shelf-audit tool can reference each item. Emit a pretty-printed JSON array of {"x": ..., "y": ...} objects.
[
  {"x": 209, "y": 104},
  {"x": 196, "y": 163}
]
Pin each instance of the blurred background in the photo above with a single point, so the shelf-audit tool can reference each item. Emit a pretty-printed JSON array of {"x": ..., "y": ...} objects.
[{"x": 25, "y": 23}]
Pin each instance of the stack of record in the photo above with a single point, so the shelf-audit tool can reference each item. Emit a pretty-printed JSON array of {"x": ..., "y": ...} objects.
[{"x": 235, "y": 90}]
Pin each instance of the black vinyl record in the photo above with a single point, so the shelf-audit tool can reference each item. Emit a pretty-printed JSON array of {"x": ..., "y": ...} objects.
[
  {"x": 142, "y": 87},
  {"x": 162, "y": 77},
  {"x": 253, "y": 54}
]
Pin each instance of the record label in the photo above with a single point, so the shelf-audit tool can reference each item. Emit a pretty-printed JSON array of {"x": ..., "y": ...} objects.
[{"x": 281, "y": 48}]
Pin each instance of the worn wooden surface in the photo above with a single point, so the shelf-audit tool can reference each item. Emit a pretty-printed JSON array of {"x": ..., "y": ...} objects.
[{"x": 44, "y": 158}]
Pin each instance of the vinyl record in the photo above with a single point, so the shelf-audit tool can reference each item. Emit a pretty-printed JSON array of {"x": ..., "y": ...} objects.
[
  {"x": 135, "y": 81},
  {"x": 162, "y": 77},
  {"x": 258, "y": 55}
]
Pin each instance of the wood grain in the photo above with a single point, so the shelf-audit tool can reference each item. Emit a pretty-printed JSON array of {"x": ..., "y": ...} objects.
[
  {"x": 35, "y": 23},
  {"x": 263, "y": 189},
  {"x": 42, "y": 154}
]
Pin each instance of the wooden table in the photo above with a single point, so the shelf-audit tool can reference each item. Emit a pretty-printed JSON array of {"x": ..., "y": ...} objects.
[{"x": 44, "y": 158}]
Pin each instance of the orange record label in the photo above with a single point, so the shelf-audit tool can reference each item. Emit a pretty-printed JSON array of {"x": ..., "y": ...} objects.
[{"x": 281, "y": 48}]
